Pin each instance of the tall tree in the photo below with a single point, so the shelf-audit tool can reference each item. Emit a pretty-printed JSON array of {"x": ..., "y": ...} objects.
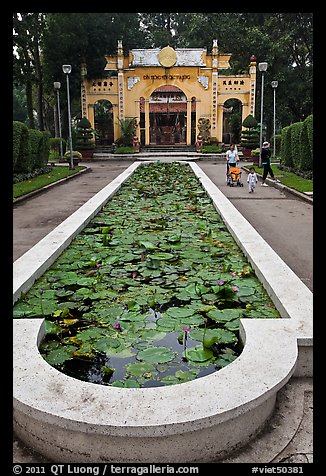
[
  {"x": 22, "y": 65},
  {"x": 28, "y": 29},
  {"x": 284, "y": 40}
]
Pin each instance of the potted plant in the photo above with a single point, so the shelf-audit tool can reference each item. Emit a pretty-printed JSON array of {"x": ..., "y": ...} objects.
[
  {"x": 128, "y": 128},
  {"x": 85, "y": 138},
  {"x": 76, "y": 157},
  {"x": 249, "y": 136}
]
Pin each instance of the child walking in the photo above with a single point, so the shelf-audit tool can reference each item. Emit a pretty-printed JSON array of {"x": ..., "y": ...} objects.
[{"x": 252, "y": 180}]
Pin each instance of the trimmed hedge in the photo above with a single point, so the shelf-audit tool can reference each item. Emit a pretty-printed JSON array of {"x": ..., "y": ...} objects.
[
  {"x": 306, "y": 158},
  {"x": 35, "y": 138},
  {"x": 30, "y": 148},
  {"x": 17, "y": 132},
  {"x": 297, "y": 146},
  {"x": 44, "y": 149},
  {"x": 22, "y": 155}
]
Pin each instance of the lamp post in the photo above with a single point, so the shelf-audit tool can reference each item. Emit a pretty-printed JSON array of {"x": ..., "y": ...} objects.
[
  {"x": 66, "y": 68},
  {"x": 274, "y": 86},
  {"x": 57, "y": 86},
  {"x": 262, "y": 68}
]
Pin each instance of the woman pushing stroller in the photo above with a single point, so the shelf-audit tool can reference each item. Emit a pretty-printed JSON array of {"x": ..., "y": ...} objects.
[{"x": 232, "y": 158}]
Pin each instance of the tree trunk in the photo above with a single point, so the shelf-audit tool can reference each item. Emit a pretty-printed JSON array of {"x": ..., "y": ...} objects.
[{"x": 39, "y": 83}]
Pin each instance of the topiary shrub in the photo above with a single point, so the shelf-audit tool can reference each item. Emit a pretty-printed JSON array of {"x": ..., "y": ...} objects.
[
  {"x": 250, "y": 137},
  {"x": 84, "y": 135}
]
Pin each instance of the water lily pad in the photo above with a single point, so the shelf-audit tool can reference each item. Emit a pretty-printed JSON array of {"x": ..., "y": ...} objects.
[
  {"x": 186, "y": 376},
  {"x": 214, "y": 336},
  {"x": 179, "y": 312},
  {"x": 148, "y": 245},
  {"x": 126, "y": 383},
  {"x": 224, "y": 359},
  {"x": 162, "y": 256},
  {"x": 52, "y": 328},
  {"x": 60, "y": 355},
  {"x": 167, "y": 323},
  {"x": 106, "y": 345},
  {"x": 224, "y": 315},
  {"x": 139, "y": 369},
  {"x": 200, "y": 354},
  {"x": 156, "y": 355},
  {"x": 91, "y": 333},
  {"x": 122, "y": 352},
  {"x": 245, "y": 291}
]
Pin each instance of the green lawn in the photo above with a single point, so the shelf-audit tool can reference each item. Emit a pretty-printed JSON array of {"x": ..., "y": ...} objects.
[
  {"x": 58, "y": 172},
  {"x": 290, "y": 179}
]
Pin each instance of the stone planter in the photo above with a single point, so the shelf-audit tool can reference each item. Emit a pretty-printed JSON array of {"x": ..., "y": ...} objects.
[
  {"x": 86, "y": 153},
  {"x": 247, "y": 154}
]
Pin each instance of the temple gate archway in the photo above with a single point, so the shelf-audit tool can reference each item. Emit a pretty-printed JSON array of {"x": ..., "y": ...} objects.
[
  {"x": 103, "y": 122},
  {"x": 168, "y": 99},
  {"x": 168, "y": 116},
  {"x": 232, "y": 120}
]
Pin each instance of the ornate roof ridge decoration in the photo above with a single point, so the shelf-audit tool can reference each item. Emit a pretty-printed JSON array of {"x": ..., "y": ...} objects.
[
  {"x": 132, "y": 80},
  {"x": 203, "y": 80},
  {"x": 168, "y": 57}
]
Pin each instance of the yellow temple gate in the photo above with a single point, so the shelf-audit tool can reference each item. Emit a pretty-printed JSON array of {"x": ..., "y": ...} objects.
[{"x": 173, "y": 94}]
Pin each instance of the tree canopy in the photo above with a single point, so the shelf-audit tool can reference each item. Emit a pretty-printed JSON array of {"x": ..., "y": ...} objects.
[{"x": 45, "y": 41}]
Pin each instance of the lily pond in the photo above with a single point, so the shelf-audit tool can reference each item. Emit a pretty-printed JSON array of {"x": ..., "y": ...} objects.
[{"x": 150, "y": 293}]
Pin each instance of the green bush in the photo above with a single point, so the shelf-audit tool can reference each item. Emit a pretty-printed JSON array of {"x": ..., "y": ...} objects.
[
  {"x": 310, "y": 130},
  {"x": 278, "y": 140},
  {"x": 212, "y": 149},
  {"x": 35, "y": 138},
  {"x": 44, "y": 150},
  {"x": 250, "y": 137},
  {"x": 306, "y": 158},
  {"x": 124, "y": 150},
  {"x": 75, "y": 155},
  {"x": 286, "y": 153},
  {"x": 55, "y": 145},
  {"x": 255, "y": 152},
  {"x": 23, "y": 159},
  {"x": 296, "y": 145},
  {"x": 17, "y": 132},
  {"x": 85, "y": 135},
  {"x": 128, "y": 128}
]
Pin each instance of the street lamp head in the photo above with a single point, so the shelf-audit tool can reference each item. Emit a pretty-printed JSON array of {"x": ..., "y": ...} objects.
[
  {"x": 57, "y": 85},
  {"x": 262, "y": 67},
  {"x": 274, "y": 84},
  {"x": 66, "y": 68}
]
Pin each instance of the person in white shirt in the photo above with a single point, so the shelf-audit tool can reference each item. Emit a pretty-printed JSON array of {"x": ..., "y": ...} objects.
[
  {"x": 232, "y": 158},
  {"x": 252, "y": 180}
]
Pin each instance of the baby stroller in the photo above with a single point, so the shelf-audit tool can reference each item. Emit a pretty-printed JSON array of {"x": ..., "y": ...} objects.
[{"x": 234, "y": 177}]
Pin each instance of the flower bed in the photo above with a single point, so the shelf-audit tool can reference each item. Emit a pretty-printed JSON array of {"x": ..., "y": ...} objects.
[{"x": 151, "y": 292}]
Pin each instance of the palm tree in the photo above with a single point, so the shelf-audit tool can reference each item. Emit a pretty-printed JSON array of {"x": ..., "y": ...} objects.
[{"x": 127, "y": 128}]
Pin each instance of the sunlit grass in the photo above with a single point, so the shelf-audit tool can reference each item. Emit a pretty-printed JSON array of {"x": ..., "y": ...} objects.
[{"x": 58, "y": 172}]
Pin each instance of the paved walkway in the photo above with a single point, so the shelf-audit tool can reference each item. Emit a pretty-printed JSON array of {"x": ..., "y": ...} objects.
[{"x": 284, "y": 221}]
